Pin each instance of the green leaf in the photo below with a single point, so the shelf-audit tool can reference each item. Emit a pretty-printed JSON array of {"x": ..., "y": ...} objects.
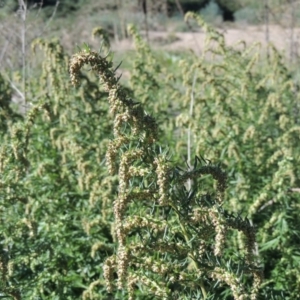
[{"x": 270, "y": 244}]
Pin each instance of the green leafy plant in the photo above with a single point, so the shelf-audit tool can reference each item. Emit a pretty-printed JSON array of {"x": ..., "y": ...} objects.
[
  {"x": 164, "y": 232},
  {"x": 51, "y": 175},
  {"x": 100, "y": 200}
]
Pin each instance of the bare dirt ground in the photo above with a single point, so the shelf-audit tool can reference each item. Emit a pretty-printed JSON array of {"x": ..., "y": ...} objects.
[{"x": 194, "y": 41}]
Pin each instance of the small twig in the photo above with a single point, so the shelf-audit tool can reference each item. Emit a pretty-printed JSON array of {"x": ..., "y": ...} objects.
[
  {"x": 145, "y": 11},
  {"x": 179, "y": 7},
  {"x": 4, "y": 50},
  {"x": 50, "y": 19},
  {"x": 270, "y": 202},
  {"x": 267, "y": 31},
  {"x": 8, "y": 61},
  {"x": 295, "y": 190},
  {"x": 189, "y": 142},
  {"x": 16, "y": 89},
  {"x": 120, "y": 8},
  {"x": 23, "y": 12},
  {"x": 292, "y": 27}
]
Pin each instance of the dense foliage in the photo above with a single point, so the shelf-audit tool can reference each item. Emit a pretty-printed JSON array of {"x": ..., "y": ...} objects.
[{"x": 183, "y": 185}]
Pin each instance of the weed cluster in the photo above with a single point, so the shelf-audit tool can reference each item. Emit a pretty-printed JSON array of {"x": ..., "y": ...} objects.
[{"x": 101, "y": 200}]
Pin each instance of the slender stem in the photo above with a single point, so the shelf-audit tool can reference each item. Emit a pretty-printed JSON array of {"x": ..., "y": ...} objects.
[
  {"x": 202, "y": 287},
  {"x": 145, "y": 11},
  {"x": 187, "y": 239},
  {"x": 23, "y": 11},
  {"x": 180, "y": 9},
  {"x": 189, "y": 133},
  {"x": 292, "y": 26},
  {"x": 267, "y": 32},
  {"x": 121, "y": 8}
]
